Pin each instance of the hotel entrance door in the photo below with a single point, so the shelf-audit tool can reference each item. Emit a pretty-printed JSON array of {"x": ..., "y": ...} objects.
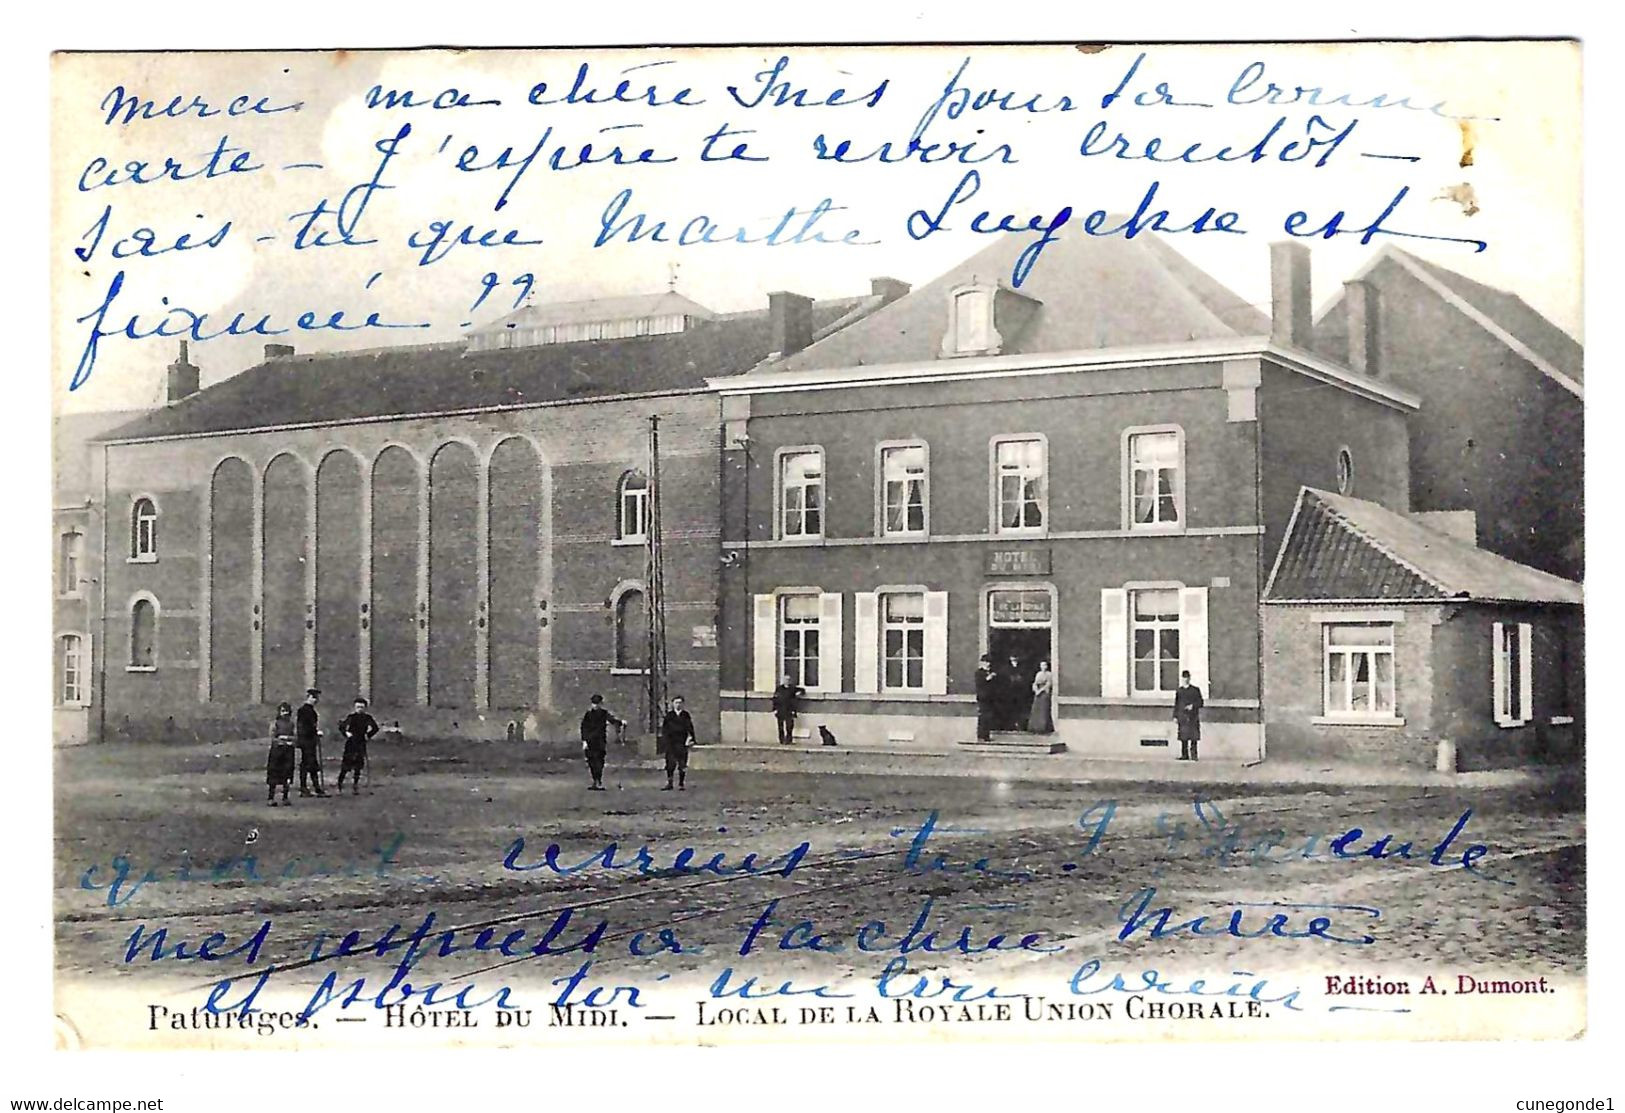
[{"x": 1020, "y": 626}]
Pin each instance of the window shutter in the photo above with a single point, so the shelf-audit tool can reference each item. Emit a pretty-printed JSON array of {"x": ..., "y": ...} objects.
[
  {"x": 1114, "y": 643},
  {"x": 1526, "y": 672},
  {"x": 865, "y": 642},
  {"x": 1193, "y": 653},
  {"x": 1498, "y": 673},
  {"x": 765, "y": 643},
  {"x": 829, "y": 641},
  {"x": 936, "y": 643}
]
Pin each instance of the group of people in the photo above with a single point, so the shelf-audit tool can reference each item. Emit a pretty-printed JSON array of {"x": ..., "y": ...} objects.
[
  {"x": 1006, "y": 700},
  {"x": 300, "y": 732},
  {"x": 675, "y": 739}
]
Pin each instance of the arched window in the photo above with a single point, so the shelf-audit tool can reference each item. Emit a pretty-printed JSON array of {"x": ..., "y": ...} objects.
[
  {"x": 1345, "y": 471},
  {"x": 143, "y": 634},
  {"x": 73, "y": 669},
  {"x": 631, "y": 631},
  {"x": 632, "y": 522},
  {"x": 144, "y": 530}
]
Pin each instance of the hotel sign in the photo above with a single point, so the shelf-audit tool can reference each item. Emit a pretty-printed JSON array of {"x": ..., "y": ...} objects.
[{"x": 1018, "y": 562}]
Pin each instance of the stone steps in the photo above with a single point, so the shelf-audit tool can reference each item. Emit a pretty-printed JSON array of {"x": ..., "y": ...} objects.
[{"x": 1015, "y": 744}]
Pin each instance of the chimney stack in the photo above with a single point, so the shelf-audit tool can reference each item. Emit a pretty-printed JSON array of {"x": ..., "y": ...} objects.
[
  {"x": 276, "y": 351},
  {"x": 183, "y": 377},
  {"x": 888, "y": 290},
  {"x": 792, "y": 321},
  {"x": 1291, "y": 316},
  {"x": 1360, "y": 302}
]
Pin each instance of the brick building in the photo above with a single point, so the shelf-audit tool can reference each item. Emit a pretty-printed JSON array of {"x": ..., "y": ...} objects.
[
  {"x": 1096, "y": 470},
  {"x": 459, "y": 531}
]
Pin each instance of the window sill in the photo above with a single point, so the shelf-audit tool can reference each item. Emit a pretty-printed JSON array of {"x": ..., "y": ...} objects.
[
  {"x": 1511, "y": 724},
  {"x": 152, "y": 559},
  {"x": 628, "y": 542},
  {"x": 904, "y": 535},
  {"x": 617, "y": 671},
  {"x": 1026, "y": 532},
  {"x": 70, "y": 595},
  {"x": 140, "y": 668},
  {"x": 1136, "y": 528},
  {"x": 1561, "y": 721},
  {"x": 73, "y": 707},
  {"x": 801, "y": 539},
  {"x": 1357, "y": 721}
]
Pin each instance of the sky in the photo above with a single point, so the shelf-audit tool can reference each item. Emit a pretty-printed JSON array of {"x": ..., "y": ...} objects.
[{"x": 1511, "y": 111}]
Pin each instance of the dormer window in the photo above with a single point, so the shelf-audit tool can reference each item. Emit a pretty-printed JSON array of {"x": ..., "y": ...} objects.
[{"x": 970, "y": 322}]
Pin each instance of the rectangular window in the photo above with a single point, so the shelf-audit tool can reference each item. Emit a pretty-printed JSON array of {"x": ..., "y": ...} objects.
[
  {"x": 972, "y": 321},
  {"x": 1155, "y": 637},
  {"x": 1514, "y": 673},
  {"x": 68, "y": 564},
  {"x": 798, "y": 639},
  {"x": 903, "y": 478},
  {"x": 801, "y": 494},
  {"x": 73, "y": 669},
  {"x": 1021, "y": 492},
  {"x": 1154, "y": 483},
  {"x": 903, "y": 642},
  {"x": 1359, "y": 670}
]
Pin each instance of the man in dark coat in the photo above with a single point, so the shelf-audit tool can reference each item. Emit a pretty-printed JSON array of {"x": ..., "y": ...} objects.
[
  {"x": 1188, "y": 715},
  {"x": 357, "y": 728},
  {"x": 677, "y": 734},
  {"x": 988, "y": 684},
  {"x": 595, "y": 739},
  {"x": 307, "y": 728},
  {"x": 786, "y": 705}
]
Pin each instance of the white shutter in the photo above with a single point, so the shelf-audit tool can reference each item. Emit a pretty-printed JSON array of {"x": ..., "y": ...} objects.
[
  {"x": 1526, "y": 672},
  {"x": 1114, "y": 643},
  {"x": 1498, "y": 672},
  {"x": 865, "y": 642},
  {"x": 1193, "y": 636},
  {"x": 765, "y": 644},
  {"x": 829, "y": 641},
  {"x": 936, "y": 643}
]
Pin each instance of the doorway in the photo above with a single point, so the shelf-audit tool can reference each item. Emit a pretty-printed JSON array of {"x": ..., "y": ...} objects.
[{"x": 1020, "y": 628}]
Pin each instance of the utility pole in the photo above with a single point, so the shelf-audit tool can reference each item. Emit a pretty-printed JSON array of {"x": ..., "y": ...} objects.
[{"x": 655, "y": 581}]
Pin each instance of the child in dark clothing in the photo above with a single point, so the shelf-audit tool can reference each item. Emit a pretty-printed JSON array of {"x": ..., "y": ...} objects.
[
  {"x": 279, "y": 764},
  {"x": 677, "y": 735},
  {"x": 358, "y": 726}
]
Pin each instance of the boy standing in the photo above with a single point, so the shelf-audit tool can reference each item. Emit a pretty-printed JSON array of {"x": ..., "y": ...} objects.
[
  {"x": 357, "y": 727},
  {"x": 677, "y": 732},
  {"x": 786, "y": 705},
  {"x": 308, "y": 730},
  {"x": 595, "y": 740}
]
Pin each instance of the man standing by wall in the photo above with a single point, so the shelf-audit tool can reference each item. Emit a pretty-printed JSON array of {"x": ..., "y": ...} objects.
[
  {"x": 786, "y": 704},
  {"x": 308, "y": 729},
  {"x": 595, "y": 740},
  {"x": 1188, "y": 716}
]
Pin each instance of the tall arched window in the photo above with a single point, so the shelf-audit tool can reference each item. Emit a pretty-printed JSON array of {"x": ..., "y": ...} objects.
[
  {"x": 632, "y": 522},
  {"x": 631, "y": 631},
  {"x": 143, "y": 634},
  {"x": 144, "y": 530}
]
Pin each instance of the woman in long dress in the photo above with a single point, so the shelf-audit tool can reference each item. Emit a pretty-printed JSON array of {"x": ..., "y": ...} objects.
[{"x": 1041, "y": 721}]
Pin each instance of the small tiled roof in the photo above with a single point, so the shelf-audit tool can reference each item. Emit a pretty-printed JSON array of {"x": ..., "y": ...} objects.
[
  {"x": 447, "y": 378},
  {"x": 1091, "y": 292},
  {"x": 1348, "y": 549}
]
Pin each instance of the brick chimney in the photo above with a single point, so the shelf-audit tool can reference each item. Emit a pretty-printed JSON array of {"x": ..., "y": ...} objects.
[
  {"x": 888, "y": 290},
  {"x": 277, "y": 351},
  {"x": 1290, "y": 312},
  {"x": 1360, "y": 303},
  {"x": 792, "y": 320},
  {"x": 183, "y": 377}
]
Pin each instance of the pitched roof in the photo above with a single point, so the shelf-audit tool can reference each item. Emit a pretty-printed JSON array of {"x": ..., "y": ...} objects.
[
  {"x": 1092, "y": 292},
  {"x": 447, "y": 378},
  {"x": 1501, "y": 313},
  {"x": 667, "y": 303},
  {"x": 71, "y": 435},
  {"x": 1346, "y": 549}
]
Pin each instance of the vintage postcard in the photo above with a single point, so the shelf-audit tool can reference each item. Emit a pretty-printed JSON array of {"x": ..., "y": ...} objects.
[{"x": 692, "y": 546}]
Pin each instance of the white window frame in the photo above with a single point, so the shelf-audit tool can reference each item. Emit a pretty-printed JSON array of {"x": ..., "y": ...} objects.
[
  {"x": 995, "y": 502},
  {"x": 1129, "y": 470},
  {"x": 905, "y": 628},
  {"x": 1347, "y": 713},
  {"x": 72, "y": 549},
  {"x": 882, "y": 519},
  {"x": 641, "y": 498},
  {"x": 780, "y": 627},
  {"x": 157, "y": 631},
  {"x": 1133, "y": 624},
  {"x": 143, "y": 549},
  {"x": 1503, "y": 636},
  {"x": 780, "y": 458},
  {"x": 81, "y": 697}
]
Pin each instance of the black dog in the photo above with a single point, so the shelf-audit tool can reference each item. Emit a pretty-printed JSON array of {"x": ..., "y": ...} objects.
[{"x": 827, "y": 735}]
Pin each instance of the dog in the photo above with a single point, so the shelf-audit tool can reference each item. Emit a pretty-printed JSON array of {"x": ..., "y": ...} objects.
[{"x": 827, "y": 735}]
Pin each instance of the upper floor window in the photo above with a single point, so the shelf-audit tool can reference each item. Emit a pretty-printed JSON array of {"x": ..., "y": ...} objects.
[
  {"x": 1514, "y": 673},
  {"x": 68, "y": 562},
  {"x": 73, "y": 669},
  {"x": 1155, "y": 634},
  {"x": 801, "y": 493},
  {"x": 902, "y": 625},
  {"x": 1359, "y": 670},
  {"x": 903, "y": 489},
  {"x": 633, "y": 503},
  {"x": 1021, "y": 491},
  {"x": 973, "y": 320},
  {"x": 144, "y": 634},
  {"x": 144, "y": 530},
  {"x": 1156, "y": 491}
]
